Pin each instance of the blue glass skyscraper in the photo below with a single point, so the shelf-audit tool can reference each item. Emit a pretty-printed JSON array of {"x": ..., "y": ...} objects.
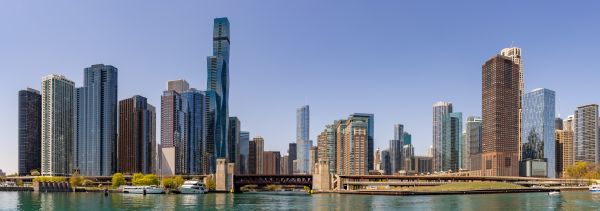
[
  {"x": 538, "y": 129},
  {"x": 451, "y": 141},
  {"x": 303, "y": 143},
  {"x": 193, "y": 109},
  {"x": 96, "y": 122},
  {"x": 217, "y": 93}
]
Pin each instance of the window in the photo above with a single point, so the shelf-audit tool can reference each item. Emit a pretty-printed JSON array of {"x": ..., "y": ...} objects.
[
  {"x": 488, "y": 164},
  {"x": 507, "y": 162}
]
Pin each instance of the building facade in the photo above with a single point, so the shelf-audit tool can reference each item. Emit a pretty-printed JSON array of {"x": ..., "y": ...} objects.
[
  {"x": 500, "y": 109},
  {"x": 234, "y": 140},
  {"x": 439, "y": 110},
  {"x": 302, "y": 138},
  {"x": 451, "y": 141},
  {"x": 136, "y": 146},
  {"x": 586, "y": 134},
  {"x": 244, "y": 152},
  {"x": 96, "y": 122},
  {"x": 30, "y": 129},
  {"x": 564, "y": 151},
  {"x": 271, "y": 163},
  {"x": 538, "y": 129},
  {"x": 292, "y": 153},
  {"x": 57, "y": 125},
  {"x": 352, "y": 148},
  {"x": 191, "y": 141},
  {"x": 217, "y": 96},
  {"x": 515, "y": 54},
  {"x": 259, "y": 149},
  {"x": 473, "y": 136}
]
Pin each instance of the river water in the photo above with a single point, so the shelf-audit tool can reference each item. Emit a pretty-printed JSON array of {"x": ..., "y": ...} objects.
[{"x": 256, "y": 201}]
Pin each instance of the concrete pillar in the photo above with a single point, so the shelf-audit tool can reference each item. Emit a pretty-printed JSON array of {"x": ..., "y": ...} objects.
[
  {"x": 221, "y": 175},
  {"x": 321, "y": 176},
  {"x": 230, "y": 173}
]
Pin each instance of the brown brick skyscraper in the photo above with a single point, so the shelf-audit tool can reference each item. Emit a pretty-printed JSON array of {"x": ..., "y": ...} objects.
[{"x": 500, "y": 108}]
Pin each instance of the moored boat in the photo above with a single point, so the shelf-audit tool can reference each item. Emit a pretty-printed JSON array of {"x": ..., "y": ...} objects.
[
  {"x": 143, "y": 189},
  {"x": 192, "y": 187},
  {"x": 595, "y": 188}
]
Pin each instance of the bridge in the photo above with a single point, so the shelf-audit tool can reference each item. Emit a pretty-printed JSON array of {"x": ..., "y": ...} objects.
[{"x": 264, "y": 180}]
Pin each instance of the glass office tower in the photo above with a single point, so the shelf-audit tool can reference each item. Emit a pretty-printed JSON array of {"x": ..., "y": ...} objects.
[{"x": 538, "y": 131}]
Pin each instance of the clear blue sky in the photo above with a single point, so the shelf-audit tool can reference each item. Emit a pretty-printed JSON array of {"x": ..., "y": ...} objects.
[{"x": 390, "y": 58}]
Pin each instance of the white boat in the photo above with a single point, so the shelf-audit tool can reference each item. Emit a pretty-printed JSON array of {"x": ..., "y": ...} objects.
[
  {"x": 143, "y": 189},
  {"x": 192, "y": 187},
  {"x": 553, "y": 193},
  {"x": 595, "y": 188}
]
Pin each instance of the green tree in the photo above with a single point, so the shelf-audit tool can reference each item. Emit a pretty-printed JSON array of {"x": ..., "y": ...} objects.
[
  {"x": 137, "y": 179},
  {"x": 178, "y": 181},
  {"x": 168, "y": 183},
  {"x": 117, "y": 180},
  {"x": 150, "y": 179},
  {"x": 49, "y": 179},
  {"x": 87, "y": 183},
  {"x": 19, "y": 183},
  {"x": 211, "y": 184},
  {"x": 34, "y": 172},
  {"x": 75, "y": 180}
]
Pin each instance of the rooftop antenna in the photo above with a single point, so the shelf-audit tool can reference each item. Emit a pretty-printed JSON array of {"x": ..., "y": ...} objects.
[
  {"x": 512, "y": 44},
  {"x": 558, "y": 107}
]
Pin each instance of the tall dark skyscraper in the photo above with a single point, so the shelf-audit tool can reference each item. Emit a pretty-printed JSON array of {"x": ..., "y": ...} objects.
[
  {"x": 136, "y": 147},
  {"x": 96, "y": 122},
  {"x": 500, "y": 109},
  {"x": 234, "y": 140},
  {"x": 292, "y": 150},
  {"x": 217, "y": 93},
  {"x": 30, "y": 123}
]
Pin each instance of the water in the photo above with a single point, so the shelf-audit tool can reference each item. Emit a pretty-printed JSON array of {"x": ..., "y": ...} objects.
[{"x": 249, "y": 201}]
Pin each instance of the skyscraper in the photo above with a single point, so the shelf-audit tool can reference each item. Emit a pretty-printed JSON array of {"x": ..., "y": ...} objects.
[
  {"x": 500, "y": 108},
  {"x": 564, "y": 151},
  {"x": 352, "y": 145},
  {"x": 451, "y": 141},
  {"x": 538, "y": 130},
  {"x": 302, "y": 138},
  {"x": 406, "y": 138},
  {"x": 252, "y": 157},
  {"x": 272, "y": 162},
  {"x": 398, "y": 131},
  {"x": 292, "y": 150},
  {"x": 217, "y": 93},
  {"x": 439, "y": 110},
  {"x": 192, "y": 132},
  {"x": 395, "y": 155},
  {"x": 514, "y": 53},
  {"x": 326, "y": 145},
  {"x": 385, "y": 162},
  {"x": 96, "y": 122},
  {"x": 30, "y": 123},
  {"x": 558, "y": 122},
  {"x": 370, "y": 137},
  {"x": 259, "y": 149},
  {"x": 57, "y": 125},
  {"x": 313, "y": 157},
  {"x": 586, "y": 134},
  {"x": 136, "y": 146},
  {"x": 377, "y": 160},
  {"x": 234, "y": 140},
  {"x": 179, "y": 85},
  {"x": 473, "y": 137},
  {"x": 244, "y": 152}
]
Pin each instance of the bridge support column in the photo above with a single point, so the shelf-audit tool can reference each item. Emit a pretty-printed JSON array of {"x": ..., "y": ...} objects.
[
  {"x": 224, "y": 175},
  {"x": 321, "y": 178}
]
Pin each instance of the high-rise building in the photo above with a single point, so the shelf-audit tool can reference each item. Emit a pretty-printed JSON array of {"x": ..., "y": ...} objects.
[
  {"x": 284, "y": 164},
  {"x": 95, "y": 150},
  {"x": 386, "y": 165},
  {"x": 514, "y": 53},
  {"x": 252, "y": 157},
  {"x": 430, "y": 151},
  {"x": 370, "y": 137},
  {"x": 396, "y": 155},
  {"x": 569, "y": 123},
  {"x": 465, "y": 155},
  {"x": 439, "y": 110},
  {"x": 408, "y": 153},
  {"x": 244, "y": 152},
  {"x": 586, "y": 134},
  {"x": 326, "y": 145},
  {"x": 473, "y": 136},
  {"x": 292, "y": 150},
  {"x": 302, "y": 138},
  {"x": 378, "y": 160},
  {"x": 234, "y": 140},
  {"x": 406, "y": 138},
  {"x": 259, "y": 149},
  {"x": 217, "y": 94},
  {"x": 353, "y": 145},
  {"x": 30, "y": 123},
  {"x": 271, "y": 163},
  {"x": 136, "y": 146},
  {"x": 500, "y": 108},
  {"x": 179, "y": 85},
  {"x": 558, "y": 123},
  {"x": 398, "y": 132},
  {"x": 191, "y": 142},
  {"x": 538, "y": 131},
  {"x": 57, "y": 125},
  {"x": 564, "y": 151},
  {"x": 451, "y": 141}
]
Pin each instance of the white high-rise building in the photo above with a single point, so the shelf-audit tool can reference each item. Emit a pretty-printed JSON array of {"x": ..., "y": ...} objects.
[
  {"x": 439, "y": 110},
  {"x": 302, "y": 139},
  {"x": 57, "y": 125}
]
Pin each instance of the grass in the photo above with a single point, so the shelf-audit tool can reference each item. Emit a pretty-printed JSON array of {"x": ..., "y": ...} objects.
[{"x": 465, "y": 186}]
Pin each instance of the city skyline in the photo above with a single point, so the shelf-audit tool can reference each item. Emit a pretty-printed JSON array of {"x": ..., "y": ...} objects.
[{"x": 277, "y": 127}]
